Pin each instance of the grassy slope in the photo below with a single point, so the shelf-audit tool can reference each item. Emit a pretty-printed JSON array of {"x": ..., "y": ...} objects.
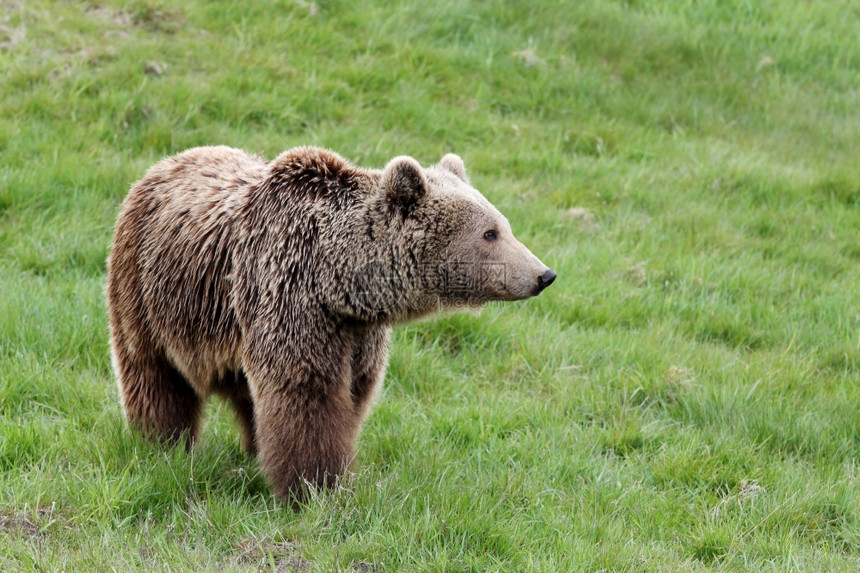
[{"x": 685, "y": 396}]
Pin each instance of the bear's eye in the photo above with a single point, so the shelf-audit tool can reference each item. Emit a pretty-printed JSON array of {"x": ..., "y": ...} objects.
[{"x": 491, "y": 235}]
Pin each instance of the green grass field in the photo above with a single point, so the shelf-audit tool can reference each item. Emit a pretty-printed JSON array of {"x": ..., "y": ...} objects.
[{"x": 684, "y": 397}]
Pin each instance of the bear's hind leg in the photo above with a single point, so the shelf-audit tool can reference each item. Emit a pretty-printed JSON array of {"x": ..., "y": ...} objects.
[
  {"x": 234, "y": 388},
  {"x": 157, "y": 399}
]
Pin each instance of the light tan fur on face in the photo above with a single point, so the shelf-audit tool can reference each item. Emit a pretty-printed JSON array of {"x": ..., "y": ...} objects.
[
  {"x": 506, "y": 269},
  {"x": 275, "y": 285}
]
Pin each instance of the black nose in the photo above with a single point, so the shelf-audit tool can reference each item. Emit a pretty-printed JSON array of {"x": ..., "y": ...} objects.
[{"x": 546, "y": 279}]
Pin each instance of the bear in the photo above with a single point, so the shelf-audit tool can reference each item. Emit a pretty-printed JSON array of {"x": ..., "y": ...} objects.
[{"x": 275, "y": 285}]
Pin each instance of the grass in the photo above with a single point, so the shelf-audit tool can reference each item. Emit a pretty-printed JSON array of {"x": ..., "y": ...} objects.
[{"x": 685, "y": 397}]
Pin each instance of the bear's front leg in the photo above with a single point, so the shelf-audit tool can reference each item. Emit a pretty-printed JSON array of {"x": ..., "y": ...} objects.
[
  {"x": 305, "y": 421},
  {"x": 370, "y": 360}
]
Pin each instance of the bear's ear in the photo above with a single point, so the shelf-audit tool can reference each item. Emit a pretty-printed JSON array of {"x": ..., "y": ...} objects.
[
  {"x": 403, "y": 183},
  {"x": 455, "y": 165}
]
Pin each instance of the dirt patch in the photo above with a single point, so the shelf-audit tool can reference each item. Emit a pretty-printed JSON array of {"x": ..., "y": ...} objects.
[
  {"x": 168, "y": 21},
  {"x": 117, "y": 17},
  {"x": 582, "y": 218},
  {"x": 262, "y": 553},
  {"x": 154, "y": 68},
  {"x": 28, "y": 523},
  {"x": 528, "y": 57},
  {"x": 19, "y": 524},
  {"x": 748, "y": 490},
  {"x": 10, "y": 37},
  {"x": 638, "y": 274},
  {"x": 156, "y": 20}
]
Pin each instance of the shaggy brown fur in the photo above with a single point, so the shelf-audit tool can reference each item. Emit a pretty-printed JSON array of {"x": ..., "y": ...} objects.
[{"x": 275, "y": 286}]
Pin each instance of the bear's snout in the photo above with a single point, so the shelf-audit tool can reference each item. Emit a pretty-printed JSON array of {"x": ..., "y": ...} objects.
[{"x": 546, "y": 279}]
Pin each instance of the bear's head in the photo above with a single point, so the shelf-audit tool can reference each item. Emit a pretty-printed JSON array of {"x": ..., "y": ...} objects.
[{"x": 438, "y": 243}]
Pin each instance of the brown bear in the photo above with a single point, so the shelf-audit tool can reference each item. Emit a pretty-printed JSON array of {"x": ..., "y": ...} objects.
[{"x": 275, "y": 285}]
